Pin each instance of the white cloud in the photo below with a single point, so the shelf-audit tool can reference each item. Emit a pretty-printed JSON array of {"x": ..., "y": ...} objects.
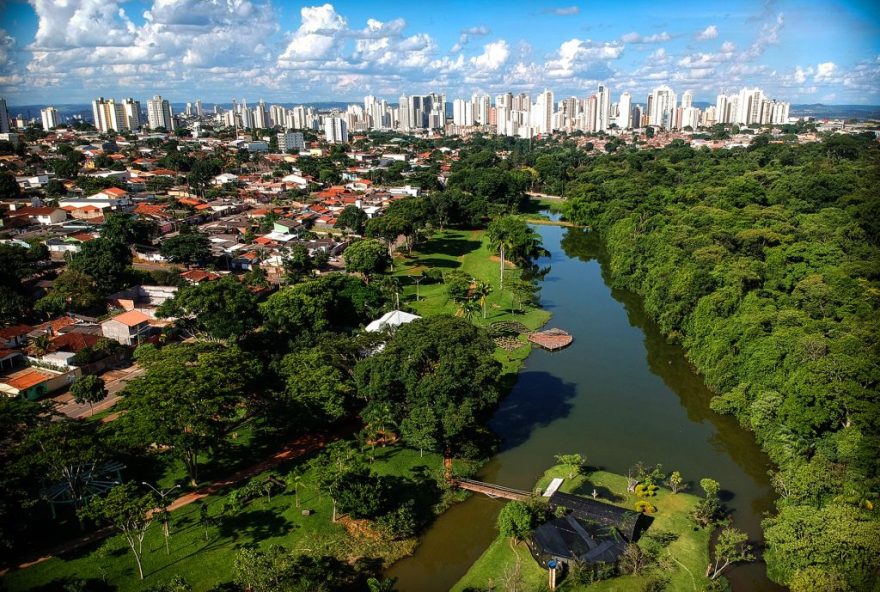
[
  {"x": 825, "y": 71},
  {"x": 637, "y": 38},
  {"x": 769, "y": 35},
  {"x": 494, "y": 56},
  {"x": 728, "y": 47},
  {"x": 564, "y": 10},
  {"x": 316, "y": 37},
  {"x": 710, "y": 32}
]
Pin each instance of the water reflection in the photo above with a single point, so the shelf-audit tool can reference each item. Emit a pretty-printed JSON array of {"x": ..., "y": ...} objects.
[{"x": 620, "y": 393}]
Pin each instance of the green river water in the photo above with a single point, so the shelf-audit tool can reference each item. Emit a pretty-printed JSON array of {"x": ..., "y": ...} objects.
[{"x": 620, "y": 393}]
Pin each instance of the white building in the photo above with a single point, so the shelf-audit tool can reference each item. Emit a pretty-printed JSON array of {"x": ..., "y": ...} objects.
[
  {"x": 50, "y": 118},
  {"x": 624, "y": 111},
  {"x": 335, "y": 130},
  {"x": 291, "y": 141},
  {"x": 542, "y": 113},
  {"x": 603, "y": 108},
  {"x": 159, "y": 113},
  {"x": 662, "y": 101}
]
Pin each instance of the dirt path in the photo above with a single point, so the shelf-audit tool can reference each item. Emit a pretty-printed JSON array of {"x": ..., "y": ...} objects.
[{"x": 292, "y": 450}]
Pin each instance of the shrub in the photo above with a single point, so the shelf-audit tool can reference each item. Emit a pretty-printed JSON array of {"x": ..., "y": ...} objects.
[{"x": 644, "y": 507}]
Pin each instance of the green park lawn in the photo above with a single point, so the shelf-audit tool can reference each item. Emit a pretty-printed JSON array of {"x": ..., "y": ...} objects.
[
  {"x": 467, "y": 250},
  {"x": 684, "y": 559},
  {"x": 206, "y": 562}
]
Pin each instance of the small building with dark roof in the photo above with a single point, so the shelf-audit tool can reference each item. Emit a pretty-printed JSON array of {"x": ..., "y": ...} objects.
[{"x": 588, "y": 531}]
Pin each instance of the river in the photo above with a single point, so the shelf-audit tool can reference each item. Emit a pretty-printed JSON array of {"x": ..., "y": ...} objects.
[{"x": 620, "y": 393}]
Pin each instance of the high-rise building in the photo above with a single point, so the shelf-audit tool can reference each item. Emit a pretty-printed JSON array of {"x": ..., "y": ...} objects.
[
  {"x": 335, "y": 130},
  {"x": 159, "y": 113},
  {"x": 261, "y": 116},
  {"x": 103, "y": 112},
  {"x": 603, "y": 108},
  {"x": 50, "y": 118},
  {"x": 748, "y": 109},
  {"x": 542, "y": 112},
  {"x": 131, "y": 114},
  {"x": 291, "y": 141},
  {"x": 404, "y": 113},
  {"x": 662, "y": 107},
  {"x": 687, "y": 99},
  {"x": 624, "y": 108},
  {"x": 199, "y": 112},
  {"x": 4, "y": 117}
]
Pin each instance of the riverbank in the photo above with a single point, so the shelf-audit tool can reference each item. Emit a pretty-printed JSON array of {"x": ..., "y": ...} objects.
[
  {"x": 467, "y": 251},
  {"x": 620, "y": 392},
  {"x": 203, "y": 552},
  {"x": 680, "y": 552}
]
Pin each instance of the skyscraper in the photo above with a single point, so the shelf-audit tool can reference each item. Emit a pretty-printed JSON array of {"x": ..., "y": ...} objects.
[
  {"x": 624, "y": 108},
  {"x": 159, "y": 113},
  {"x": 542, "y": 112},
  {"x": 662, "y": 107},
  {"x": 4, "y": 117},
  {"x": 603, "y": 108},
  {"x": 131, "y": 111},
  {"x": 335, "y": 130},
  {"x": 50, "y": 118}
]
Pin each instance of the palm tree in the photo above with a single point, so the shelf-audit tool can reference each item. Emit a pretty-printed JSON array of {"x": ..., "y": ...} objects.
[{"x": 482, "y": 289}]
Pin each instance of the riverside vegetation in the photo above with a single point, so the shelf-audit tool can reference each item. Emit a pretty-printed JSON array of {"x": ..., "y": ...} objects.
[{"x": 764, "y": 264}]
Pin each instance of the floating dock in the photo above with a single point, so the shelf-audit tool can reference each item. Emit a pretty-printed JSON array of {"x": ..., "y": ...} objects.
[{"x": 551, "y": 339}]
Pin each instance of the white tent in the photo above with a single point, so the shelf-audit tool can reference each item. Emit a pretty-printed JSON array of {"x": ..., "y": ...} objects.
[{"x": 393, "y": 320}]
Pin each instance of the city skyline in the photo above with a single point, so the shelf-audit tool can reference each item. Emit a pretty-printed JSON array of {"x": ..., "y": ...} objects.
[{"x": 825, "y": 52}]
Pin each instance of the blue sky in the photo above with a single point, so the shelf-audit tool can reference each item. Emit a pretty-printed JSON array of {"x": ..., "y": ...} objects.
[{"x": 54, "y": 51}]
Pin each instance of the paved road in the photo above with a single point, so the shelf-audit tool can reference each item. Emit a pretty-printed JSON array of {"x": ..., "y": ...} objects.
[{"x": 114, "y": 381}]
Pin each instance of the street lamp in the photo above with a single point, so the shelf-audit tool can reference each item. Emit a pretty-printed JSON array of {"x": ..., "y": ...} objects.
[{"x": 163, "y": 493}]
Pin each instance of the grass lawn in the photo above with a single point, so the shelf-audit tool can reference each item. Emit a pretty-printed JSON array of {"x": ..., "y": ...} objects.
[
  {"x": 467, "y": 250},
  {"x": 686, "y": 555},
  {"x": 207, "y": 562}
]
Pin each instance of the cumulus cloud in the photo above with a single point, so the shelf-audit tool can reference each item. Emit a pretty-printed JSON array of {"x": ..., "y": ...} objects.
[
  {"x": 494, "y": 56},
  {"x": 637, "y": 38},
  {"x": 466, "y": 35},
  {"x": 710, "y": 32},
  {"x": 316, "y": 37},
  {"x": 825, "y": 71}
]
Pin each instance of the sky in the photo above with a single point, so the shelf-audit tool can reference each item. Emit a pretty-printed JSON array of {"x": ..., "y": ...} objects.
[{"x": 72, "y": 51}]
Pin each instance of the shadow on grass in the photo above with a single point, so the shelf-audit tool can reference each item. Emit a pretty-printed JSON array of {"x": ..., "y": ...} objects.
[
  {"x": 254, "y": 525},
  {"x": 75, "y": 585},
  {"x": 604, "y": 494},
  {"x": 452, "y": 246}
]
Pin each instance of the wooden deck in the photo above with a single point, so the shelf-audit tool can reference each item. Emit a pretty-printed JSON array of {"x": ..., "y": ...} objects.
[
  {"x": 551, "y": 339},
  {"x": 492, "y": 490}
]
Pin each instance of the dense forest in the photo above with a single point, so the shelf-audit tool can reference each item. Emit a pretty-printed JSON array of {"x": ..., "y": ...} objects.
[{"x": 764, "y": 263}]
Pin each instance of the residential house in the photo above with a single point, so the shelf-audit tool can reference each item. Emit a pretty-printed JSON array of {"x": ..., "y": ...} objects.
[
  {"x": 33, "y": 383},
  {"x": 128, "y": 328}
]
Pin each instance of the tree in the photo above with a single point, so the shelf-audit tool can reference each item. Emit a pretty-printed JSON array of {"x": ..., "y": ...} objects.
[
  {"x": 731, "y": 547},
  {"x": 366, "y": 256},
  {"x": 127, "y": 229},
  {"x": 202, "y": 172},
  {"x": 816, "y": 579},
  {"x": 188, "y": 399},
  {"x": 298, "y": 264},
  {"x": 443, "y": 362},
  {"x": 676, "y": 482},
  {"x": 352, "y": 218},
  {"x": 316, "y": 385},
  {"x": 9, "y": 188},
  {"x": 186, "y": 247},
  {"x": 574, "y": 463},
  {"x": 515, "y": 521},
  {"x": 88, "y": 389},
  {"x": 107, "y": 261},
  {"x": 224, "y": 309},
  {"x": 512, "y": 238},
  {"x": 126, "y": 509},
  {"x": 73, "y": 290},
  {"x": 419, "y": 428}
]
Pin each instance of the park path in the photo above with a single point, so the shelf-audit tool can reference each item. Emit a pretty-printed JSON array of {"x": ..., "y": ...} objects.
[{"x": 296, "y": 448}]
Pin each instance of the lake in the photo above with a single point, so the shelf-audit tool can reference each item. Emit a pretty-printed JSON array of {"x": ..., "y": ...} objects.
[{"x": 619, "y": 394}]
